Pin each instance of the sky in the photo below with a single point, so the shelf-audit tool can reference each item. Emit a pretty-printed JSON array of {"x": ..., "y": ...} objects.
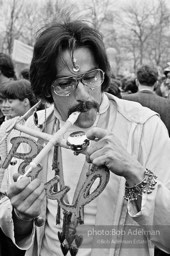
[{"x": 124, "y": 2}]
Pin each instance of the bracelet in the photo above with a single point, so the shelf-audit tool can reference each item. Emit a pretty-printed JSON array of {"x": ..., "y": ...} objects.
[
  {"x": 20, "y": 217},
  {"x": 147, "y": 185}
]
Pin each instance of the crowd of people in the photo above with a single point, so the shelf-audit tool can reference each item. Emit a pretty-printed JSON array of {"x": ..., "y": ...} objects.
[{"x": 114, "y": 199}]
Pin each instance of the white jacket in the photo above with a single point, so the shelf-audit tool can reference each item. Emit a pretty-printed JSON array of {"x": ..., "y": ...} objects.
[{"x": 144, "y": 135}]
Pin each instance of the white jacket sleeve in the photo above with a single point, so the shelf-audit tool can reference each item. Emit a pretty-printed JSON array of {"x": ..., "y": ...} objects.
[
  {"x": 7, "y": 225},
  {"x": 155, "y": 209}
]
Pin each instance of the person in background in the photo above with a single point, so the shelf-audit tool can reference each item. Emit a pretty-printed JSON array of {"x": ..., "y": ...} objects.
[
  {"x": 114, "y": 87},
  {"x": 146, "y": 79},
  {"x": 127, "y": 141},
  {"x": 7, "y": 69},
  {"x": 18, "y": 98},
  {"x": 25, "y": 74},
  {"x": 163, "y": 88},
  {"x": 129, "y": 86},
  {"x": 7, "y": 73}
]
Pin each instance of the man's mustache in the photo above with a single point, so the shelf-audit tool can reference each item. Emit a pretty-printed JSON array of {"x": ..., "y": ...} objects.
[{"x": 84, "y": 106}]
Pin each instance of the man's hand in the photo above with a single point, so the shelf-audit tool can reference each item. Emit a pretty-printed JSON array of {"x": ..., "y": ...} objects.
[
  {"x": 26, "y": 196},
  {"x": 108, "y": 150}
]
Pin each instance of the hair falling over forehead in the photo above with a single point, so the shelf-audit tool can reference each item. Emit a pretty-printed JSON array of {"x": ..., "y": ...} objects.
[
  {"x": 72, "y": 46},
  {"x": 50, "y": 44}
]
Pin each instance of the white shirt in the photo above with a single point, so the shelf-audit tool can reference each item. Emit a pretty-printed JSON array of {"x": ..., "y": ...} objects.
[{"x": 72, "y": 166}]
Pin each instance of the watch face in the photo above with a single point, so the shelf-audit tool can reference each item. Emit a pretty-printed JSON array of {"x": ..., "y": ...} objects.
[{"x": 77, "y": 141}]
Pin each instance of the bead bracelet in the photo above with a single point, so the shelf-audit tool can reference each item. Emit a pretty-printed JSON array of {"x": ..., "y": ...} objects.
[{"x": 147, "y": 185}]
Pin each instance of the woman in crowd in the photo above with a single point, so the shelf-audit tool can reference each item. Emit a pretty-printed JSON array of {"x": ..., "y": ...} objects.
[{"x": 18, "y": 98}]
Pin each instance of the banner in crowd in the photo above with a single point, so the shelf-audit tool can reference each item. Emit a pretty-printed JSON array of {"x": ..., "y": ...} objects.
[{"x": 22, "y": 53}]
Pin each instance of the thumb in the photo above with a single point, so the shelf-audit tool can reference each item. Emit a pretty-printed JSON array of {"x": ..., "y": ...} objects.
[
  {"x": 96, "y": 133},
  {"x": 15, "y": 176}
]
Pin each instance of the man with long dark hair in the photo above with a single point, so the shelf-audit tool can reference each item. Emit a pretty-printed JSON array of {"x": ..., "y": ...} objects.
[{"x": 127, "y": 143}]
